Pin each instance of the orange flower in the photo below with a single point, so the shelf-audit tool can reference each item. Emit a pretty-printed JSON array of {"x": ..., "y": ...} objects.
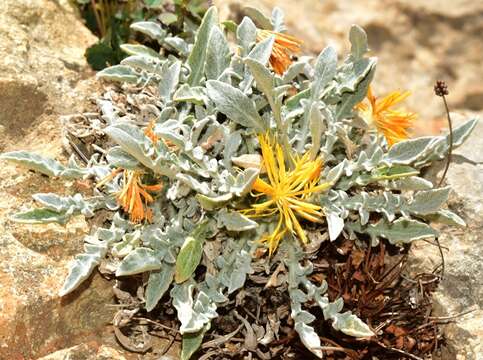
[
  {"x": 134, "y": 197},
  {"x": 393, "y": 124},
  {"x": 283, "y": 47},
  {"x": 150, "y": 133}
]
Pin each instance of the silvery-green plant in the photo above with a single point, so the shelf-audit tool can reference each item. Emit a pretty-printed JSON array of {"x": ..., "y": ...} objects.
[{"x": 185, "y": 187}]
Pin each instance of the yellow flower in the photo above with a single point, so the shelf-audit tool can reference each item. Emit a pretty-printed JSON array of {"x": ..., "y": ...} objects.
[
  {"x": 393, "y": 124},
  {"x": 134, "y": 197},
  {"x": 283, "y": 47},
  {"x": 287, "y": 192}
]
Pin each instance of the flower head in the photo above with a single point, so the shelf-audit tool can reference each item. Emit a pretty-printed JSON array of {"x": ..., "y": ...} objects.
[
  {"x": 134, "y": 197},
  {"x": 287, "y": 192},
  {"x": 283, "y": 47},
  {"x": 393, "y": 124}
]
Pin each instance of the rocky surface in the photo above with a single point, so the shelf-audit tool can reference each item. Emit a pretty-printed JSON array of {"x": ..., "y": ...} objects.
[
  {"x": 43, "y": 74},
  {"x": 418, "y": 42}
]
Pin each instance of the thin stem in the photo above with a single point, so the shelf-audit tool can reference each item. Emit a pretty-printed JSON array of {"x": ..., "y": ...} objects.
[
  {"x": 450, "y": 148},
  {"x": 98, "y": 19}
]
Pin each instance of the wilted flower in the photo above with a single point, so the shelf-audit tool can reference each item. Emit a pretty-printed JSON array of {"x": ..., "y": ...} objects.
[
  {"x": 283, "y": 47},
  {"x": 287, "y": 191},
  {"x": 393, "y": 124}
]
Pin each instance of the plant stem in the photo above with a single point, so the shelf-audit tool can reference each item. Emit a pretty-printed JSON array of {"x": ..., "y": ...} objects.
[
  {"x": 98, "y": 19},
  {"x": 450, "y": 146}
]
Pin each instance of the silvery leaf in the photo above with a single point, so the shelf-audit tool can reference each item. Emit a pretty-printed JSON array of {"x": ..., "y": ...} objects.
[
  {"x": 234, "y": 221},
  {"x": 197, "y": 57},
  {"x": 235, "y": 105},
  {"x": 358, "y": 39},
  {"x": 151, "y": 29},
  {"x": 136, "y": 49},
  {"x": 158, "y": 283},
  {"x": 217, "y": 54},
  {"x": 34, "y": 162},
  {"x": 121, "y": 73},
  {"x": 82, "y": 266},
  {"x": 138, "y": 261}
]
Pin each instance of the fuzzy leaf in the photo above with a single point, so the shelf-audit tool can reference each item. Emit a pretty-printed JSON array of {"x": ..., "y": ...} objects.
[
  {"x": 191, "y": 342},
  {"x": 358, "y": 39},
  {"x": 130, "y": 138},
  {"x": 34, "y": 162},
  {"x": 309, "y": 338},
  {"x": 121, "y": 73},
  {"x": 82, "y": 266},
  {"x": 246, "y": 34},
  {"x": 400, "y": 231},
  {"x": 217, "y": 54},
  {"x": 351, "y": 325},
  {"x": 213, "y": 203},
  {"x": 325, "y": 68},
  {"x": 428, "y": 202},
  {"x": 263, "y": 21},
  {"x": 197, "y": 57},
  {"x": 193, "y": 94},
  {"x": 40, "y": 216},
  {"x": 235, "y": 105},
  {"x": 169, "y": 81},
  {"x": 138, "y": 261},
  {"x": 136, "y": 49},
  {"x": 234, "y": 221},
  {"x": 158, "y": 283},
  {"x": 151, "y": 29}
]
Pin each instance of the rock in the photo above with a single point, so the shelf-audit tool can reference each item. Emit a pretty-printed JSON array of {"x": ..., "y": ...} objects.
[
  {"x": 87, "y": 351},
  {"x": 418, "y": 42},
  {"x": 43, "y": 74}
]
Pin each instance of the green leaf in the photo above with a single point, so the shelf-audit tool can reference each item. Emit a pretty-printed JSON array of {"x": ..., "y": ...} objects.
[
  {"x": 101, "y": 55},
  {"x": 32, "y": 161},
  {"x": 151, "y": 29},
  {"x": 197, "y": 57},
  {"x": 40, "y": 216},
  {"x": 393, "y": 172},
  {"x": 191, "y": 342},
  {"x": 135, "y": 49},
  {"x": 158, "y": 283},
  {"x": 230, "y": 26},
  {"x": 138, "y": 261},
  {"x": 217, "y": 54},
  {"x": 168, "y": 18},
  {"x": 190, "y": 254},
  {"x": 121, "y": 73},
  {"x": 358, "y": 39},
  {"x": 235, "y": 105}
]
